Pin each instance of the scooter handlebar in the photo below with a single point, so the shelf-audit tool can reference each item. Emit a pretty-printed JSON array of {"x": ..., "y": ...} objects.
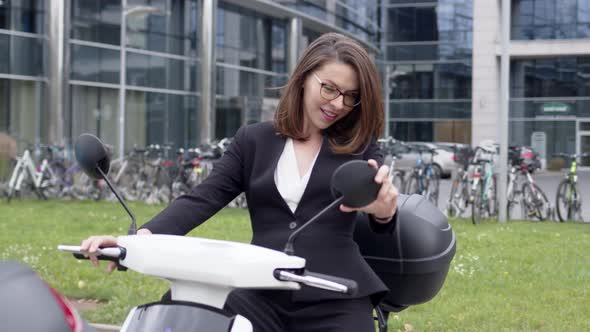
[
  {"x": 317, "y": 280},
  {"x": 113, "y": 254}
]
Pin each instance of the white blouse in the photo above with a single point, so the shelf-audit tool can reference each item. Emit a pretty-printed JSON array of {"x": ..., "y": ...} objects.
[{"x": 289, "y": 182}]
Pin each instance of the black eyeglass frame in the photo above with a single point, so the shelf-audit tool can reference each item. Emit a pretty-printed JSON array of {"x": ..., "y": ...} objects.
[{"x": 340, "y": 93}]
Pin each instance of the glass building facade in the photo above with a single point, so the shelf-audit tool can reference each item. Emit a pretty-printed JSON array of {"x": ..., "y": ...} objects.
[
  {"x": 251, "y": 63},
  {"x": 550, "y": 19},
  {"x": 22, "y": 69},
  {"x": 161, "y": 78},
  {"x": 135, "y": 71},
  {"x": 550, "y": 95},
  {"x": 428, "y": 50},
  {"x": 139, "y": 63}
]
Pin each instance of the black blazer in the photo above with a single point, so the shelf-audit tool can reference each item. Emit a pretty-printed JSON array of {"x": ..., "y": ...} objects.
[{"x": 248, "y": 165}]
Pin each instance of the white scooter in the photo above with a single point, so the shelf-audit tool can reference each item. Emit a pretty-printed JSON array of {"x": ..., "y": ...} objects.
[{"x": 199, "y": 291}]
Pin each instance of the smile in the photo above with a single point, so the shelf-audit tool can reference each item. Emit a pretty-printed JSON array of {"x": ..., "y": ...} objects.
[{"x": 331, "y": 116}]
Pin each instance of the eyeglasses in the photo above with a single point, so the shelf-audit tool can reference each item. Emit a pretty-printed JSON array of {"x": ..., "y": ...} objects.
[{"x": 330, "y": 92}]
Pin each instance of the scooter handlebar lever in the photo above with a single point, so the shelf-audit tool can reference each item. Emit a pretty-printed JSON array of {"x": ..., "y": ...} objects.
[
  {"x": 317, "y": 280},
  {"x": 104, "y": 254}
]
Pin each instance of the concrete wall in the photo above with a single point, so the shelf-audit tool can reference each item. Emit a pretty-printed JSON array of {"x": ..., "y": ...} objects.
[{"x": 486, "y": 71}]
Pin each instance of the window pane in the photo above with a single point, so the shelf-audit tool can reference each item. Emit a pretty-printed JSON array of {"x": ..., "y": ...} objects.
[
  {"x": 4, "y": 16},
  {"x": 95, "y": 110},
  {"x": 97, "y": 21},
  {"x": 565, "y": 11},
  {"x": 427, "y": 24},
  {"x": 402, "y": 24},
  {"x": 278, "y": 52},
  {"x": 558, "y": 77},
  {"x": 168, "y": 26},
  {"x": 429, "y": 110},
  {"x": 25, "y": 16},
  {"x": 160, "y": 72},
  {"x": 160, "y": 118},
  {"x": 358, "y": 17},
  {"x": 583, "y": 12},
  {"x": 560, "y": 134},
  {"x": 21, "y": 55},
  {"x": 20, "y": 105},
  {"x": 27, "y": 56},
  {"x": 95, "y": 64},
  {"x": 249, "y": 39},
  {"x": 234, "y": 82},
  {"x": 544, "y": 12},
  {"x": 4, "y": 53}
]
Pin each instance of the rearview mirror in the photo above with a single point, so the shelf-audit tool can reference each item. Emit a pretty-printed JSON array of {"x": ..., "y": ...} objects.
[
  {"x": 355, "y": 181},
  {"x": 92, "y": 155}
]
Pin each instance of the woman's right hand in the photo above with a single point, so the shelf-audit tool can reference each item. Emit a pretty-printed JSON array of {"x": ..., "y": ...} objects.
[{"x": 93, "y": 243}]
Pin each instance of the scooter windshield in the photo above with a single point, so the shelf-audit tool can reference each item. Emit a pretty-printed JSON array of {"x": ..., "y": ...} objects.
[{"x": 176, "y": 317}]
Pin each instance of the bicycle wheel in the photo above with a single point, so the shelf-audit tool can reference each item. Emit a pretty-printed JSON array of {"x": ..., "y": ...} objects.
[
  {"x": 512, "y": 199},
  {"x": 492, "y": 201},
  {"x": 477, "y": 206},
  {"x": 568, "y": 203},
  {"x": 563, "y": 205},
  {"x": 11, "y": 191},
  {"x": 535, "y": 203},
  {"x": 433, "y": 185},
  {"x": 8, "y": 169},
  {"x": 398, "y": 182},
  {"x": 413, "y": 185},
  {"x": 577, "y": 206},
  {"x": 457, "y": 199},
  {"x": 178, "y": 188},
  {"x": 131, "y": 180},
  {"x": 52, "y": 181}
]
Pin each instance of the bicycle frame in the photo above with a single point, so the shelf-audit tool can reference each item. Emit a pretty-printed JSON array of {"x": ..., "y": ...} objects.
[
  {"x": 511, "y": 182},
  {"x": 424, "y": 173},
  {"x": 488, "y": 178},
  {"x": 25, "y": 166},
  {"x": 573, "y": 179},
  {"x": 461, "y": 180}
]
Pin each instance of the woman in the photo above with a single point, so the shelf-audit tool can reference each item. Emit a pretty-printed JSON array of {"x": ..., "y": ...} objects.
[{"x": 329, "y": 113}]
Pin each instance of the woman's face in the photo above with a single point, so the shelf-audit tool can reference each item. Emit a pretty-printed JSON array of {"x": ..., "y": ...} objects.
[{"x": 320, "y": 112}]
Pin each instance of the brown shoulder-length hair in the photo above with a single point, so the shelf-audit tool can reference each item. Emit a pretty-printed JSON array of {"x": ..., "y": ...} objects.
[{"x": 363, "y": 124}]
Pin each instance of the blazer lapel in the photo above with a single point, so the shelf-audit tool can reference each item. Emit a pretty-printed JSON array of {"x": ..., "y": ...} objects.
[
  {"x": 274, "y": 150},
  {"x": 319, "y": 179}
]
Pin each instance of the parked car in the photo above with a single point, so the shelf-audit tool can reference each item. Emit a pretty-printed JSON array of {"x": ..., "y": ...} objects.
[
  {"x": 406, "y": 156},
  {"x": 462, "y": 153},
  {"x": 444, "y": 159}
]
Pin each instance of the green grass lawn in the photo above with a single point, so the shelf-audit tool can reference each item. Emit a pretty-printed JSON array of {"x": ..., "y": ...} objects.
[{"x": 518, "y": 276}]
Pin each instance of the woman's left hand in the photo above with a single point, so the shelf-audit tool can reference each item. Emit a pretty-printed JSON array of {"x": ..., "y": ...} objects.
[{"x": 383, "y": 208}]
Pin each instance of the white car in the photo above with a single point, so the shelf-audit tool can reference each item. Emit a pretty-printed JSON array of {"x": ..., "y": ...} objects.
[{"x": 443, "y": 160}]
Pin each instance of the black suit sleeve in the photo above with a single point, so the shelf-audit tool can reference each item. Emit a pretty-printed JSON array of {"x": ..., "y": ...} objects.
[
  {"x": 374, "y": 152},
  {"x": 225, "y": 182}
]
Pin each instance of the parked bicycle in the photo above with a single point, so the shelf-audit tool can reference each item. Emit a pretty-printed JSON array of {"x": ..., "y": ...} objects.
[
  {"x": 45, "y": 181},
  {"x": 424, "y": 179},
  {"x": 390, "y": 148},
  {"x": 458, "y": 201},
  {"x": 513, "y": 191},
  {"x": 568, "y": 200},
  {"x": 483, "y": 191}
]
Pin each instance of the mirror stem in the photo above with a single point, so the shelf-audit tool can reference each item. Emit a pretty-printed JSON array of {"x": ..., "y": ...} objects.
[
  {"x": 133, "y": 226},
  {"x": 289, "y": 249}
]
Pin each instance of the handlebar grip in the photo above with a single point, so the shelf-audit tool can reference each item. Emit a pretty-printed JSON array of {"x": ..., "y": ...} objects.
[
  {"x": 103, "y": 258},
  {"x": 99, "y": 257}
]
